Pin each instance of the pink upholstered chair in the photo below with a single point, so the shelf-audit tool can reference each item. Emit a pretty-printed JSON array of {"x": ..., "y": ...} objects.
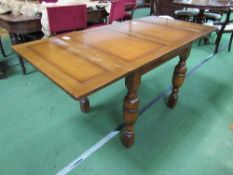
[
  {"x": 67, "y": 18},
  {"x": 40, "y": 1},
  {"x": 117, "y": 12},
  {"x": 130, "y": 6}
]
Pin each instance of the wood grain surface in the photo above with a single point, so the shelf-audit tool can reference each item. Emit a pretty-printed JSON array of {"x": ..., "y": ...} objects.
[{"x": 86, "y": 61}]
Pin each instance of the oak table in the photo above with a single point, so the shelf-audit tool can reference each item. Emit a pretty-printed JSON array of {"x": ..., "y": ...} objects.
[{"x": 84, "y": 62}]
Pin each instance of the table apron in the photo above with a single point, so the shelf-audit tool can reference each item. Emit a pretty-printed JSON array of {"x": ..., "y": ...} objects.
[{"x": 164, "y": 59}]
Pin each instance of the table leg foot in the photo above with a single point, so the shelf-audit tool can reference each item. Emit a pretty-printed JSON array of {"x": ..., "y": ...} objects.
[
  {"x": 173, "y": 98},
  {"x": 130, "y": 109},
  {"x": 84, "y": 105},
  {"x": 127, "y": 138},
  {"x": 178, "y": 78}
]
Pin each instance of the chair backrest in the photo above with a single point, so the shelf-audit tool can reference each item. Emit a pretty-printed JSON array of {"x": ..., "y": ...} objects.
[
  {"x": 162, "y": 7},
  {"x": 227, "y": 20},
  {"x": 40, "y": 1},
  {"x": 67, "y": 18},
  {"x": 117, "y": 11},
  {"x": 224, "y": 27}
]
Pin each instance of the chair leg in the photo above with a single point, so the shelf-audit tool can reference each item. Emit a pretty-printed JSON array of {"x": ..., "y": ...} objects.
[
  {"x": 1, "y": 47},
  {"x": 15, "y": 40},
  {"x": 3, "y": 72},
  {"x": 22, "y": 65},
  {"x": 132, "y": 13},
  {"x": 194, "y": 19},
  {"x": 199, "y": 41},
  {"x": 230, "y": 42},
  {"x": 152, "y": 7},
  {"x": 217, "y": 42}
]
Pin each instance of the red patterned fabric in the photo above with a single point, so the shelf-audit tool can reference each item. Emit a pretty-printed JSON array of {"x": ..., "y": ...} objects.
[
  {"x": 67, "y": 18},
  {"x": 40, "y": 1}
]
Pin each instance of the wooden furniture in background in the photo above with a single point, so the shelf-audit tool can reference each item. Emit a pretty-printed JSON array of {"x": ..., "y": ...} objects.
[
  {"x": 22, "y": 24},
  {"x": 84, "y": 62},
  {"x": 167, "y": 8},
  {"x": 203, "y": 5},
  {"x": 225, "y": 26},
  {"x": 48, "y": 1},
  {"x": 162, "y": 7},
  {"x": 216, "y": 5},
  {"x": 17, "y": 27},
  {"x": 2, "y": 32},
  {"x": 3, "y": 72}
]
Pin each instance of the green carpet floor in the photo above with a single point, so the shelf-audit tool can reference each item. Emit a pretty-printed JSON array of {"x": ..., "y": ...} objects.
[{"x": 42, "y": 129}]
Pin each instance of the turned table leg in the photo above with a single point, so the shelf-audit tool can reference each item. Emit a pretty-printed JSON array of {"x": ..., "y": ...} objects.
[
  {"x": 178, "y": 78},
  {"x": 130, "y": 108},
  {"x": 84, "y": 105}
]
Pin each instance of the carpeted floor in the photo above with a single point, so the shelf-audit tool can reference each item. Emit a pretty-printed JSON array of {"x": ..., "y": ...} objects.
[{"x": 42, "y": 129}]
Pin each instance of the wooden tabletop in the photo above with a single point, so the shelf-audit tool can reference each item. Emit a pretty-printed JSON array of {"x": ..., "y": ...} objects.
[
  {"x": 83, "y": 62},
  {"x": 205, "y": 4}
]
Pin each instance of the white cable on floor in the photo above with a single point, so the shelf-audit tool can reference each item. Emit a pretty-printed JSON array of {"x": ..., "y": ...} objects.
[{"x": 87, "y": 153}]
